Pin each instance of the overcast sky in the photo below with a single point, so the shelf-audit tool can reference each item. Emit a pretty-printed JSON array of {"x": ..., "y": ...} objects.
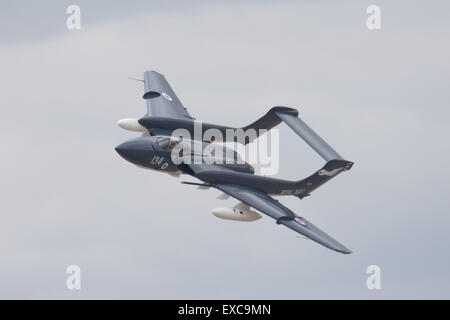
[{"x": 380, "y": 98}]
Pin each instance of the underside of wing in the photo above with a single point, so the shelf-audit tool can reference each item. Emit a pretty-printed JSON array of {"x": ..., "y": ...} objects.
[{"x": 273, "y": 208}]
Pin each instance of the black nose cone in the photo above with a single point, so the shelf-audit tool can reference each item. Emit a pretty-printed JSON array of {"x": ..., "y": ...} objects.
[
  {"x": 136, "y": 151},
  {"x": 123, "y": 149}
]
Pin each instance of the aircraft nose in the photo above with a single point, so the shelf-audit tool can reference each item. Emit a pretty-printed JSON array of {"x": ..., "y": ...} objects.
[
  {"x": 123, "y": 149},
  {"x": 136, "y": 151},
  {"x": 130, "y": 150}
]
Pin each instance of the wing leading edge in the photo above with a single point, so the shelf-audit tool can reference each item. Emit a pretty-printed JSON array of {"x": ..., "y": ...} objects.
[{"x": 281, "y": 214}]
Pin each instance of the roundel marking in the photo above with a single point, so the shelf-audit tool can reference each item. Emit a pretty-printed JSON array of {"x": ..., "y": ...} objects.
[
  {"x": 299, "y": 221},
  {"x": 165, "y": 95}
]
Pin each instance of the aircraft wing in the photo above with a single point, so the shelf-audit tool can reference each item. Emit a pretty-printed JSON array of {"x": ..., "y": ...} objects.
[
  {"x": 161, "y": 99},
  {"x": 273, "y": 208}
]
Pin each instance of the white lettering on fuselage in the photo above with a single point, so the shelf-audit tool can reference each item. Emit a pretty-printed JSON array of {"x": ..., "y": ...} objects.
[{"x": 157, "y": 160}]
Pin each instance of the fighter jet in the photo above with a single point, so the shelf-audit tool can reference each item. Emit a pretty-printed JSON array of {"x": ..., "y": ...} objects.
[{"x": 161, "y": 147}]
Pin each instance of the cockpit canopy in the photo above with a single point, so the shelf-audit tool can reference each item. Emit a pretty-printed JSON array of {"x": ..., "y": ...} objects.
[
  {"x": 167, "y": 143},
  {"x": 196, "y": 148}
]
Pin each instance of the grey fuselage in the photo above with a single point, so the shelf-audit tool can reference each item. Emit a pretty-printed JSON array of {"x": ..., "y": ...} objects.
[{"x": 155, "y": 152}]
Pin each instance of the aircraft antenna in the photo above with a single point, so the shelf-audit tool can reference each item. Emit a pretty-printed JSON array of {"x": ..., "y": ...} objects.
[{"x": 136, "y": 79}]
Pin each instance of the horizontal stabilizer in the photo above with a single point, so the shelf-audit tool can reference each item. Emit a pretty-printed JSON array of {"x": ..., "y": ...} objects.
[{"x": 309, "y": 136}]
